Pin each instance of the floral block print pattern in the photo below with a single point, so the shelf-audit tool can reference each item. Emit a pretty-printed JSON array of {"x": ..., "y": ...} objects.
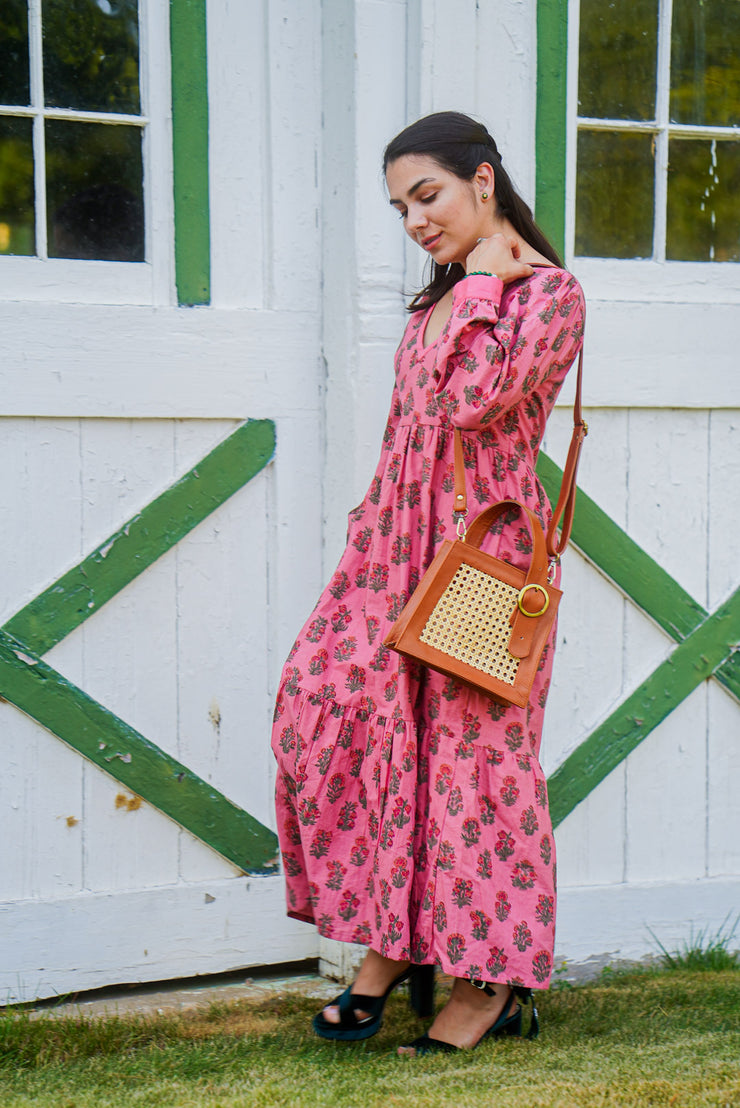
[{"x": 412, "y": 810}]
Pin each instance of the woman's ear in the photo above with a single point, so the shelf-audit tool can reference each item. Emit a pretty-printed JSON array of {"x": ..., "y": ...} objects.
[{"x": 484, "y": 181}]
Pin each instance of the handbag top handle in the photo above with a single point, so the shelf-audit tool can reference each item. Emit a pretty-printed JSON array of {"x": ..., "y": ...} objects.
[{"x": 566, "y": 502}]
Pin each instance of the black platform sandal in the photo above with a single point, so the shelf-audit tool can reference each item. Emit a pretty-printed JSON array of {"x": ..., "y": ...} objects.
[
  {"x": 504, "y": 1025},
  {"x": 352, "y": 1029}
]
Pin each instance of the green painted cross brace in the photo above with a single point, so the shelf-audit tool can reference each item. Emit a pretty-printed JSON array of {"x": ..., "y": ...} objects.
[{"x": 69, "y": 713}]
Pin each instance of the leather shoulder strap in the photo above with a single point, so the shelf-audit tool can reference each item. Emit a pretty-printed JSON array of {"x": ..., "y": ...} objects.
[{"x": 566, "y": 503}]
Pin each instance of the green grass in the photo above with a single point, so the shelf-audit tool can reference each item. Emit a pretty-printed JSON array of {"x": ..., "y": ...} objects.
[
  {"x": 704, "y": 950},
  {"x": 641, "y": 1039}
]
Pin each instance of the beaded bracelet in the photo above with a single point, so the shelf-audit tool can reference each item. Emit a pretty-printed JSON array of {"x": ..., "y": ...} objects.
[{"x": 482, "y": 273}]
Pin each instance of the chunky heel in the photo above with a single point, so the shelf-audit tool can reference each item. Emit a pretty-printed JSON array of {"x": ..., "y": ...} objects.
[{"x": 421, "y": 990}]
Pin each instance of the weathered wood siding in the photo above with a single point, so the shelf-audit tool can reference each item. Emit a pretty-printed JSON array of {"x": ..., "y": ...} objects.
[{"x": 107, "y": 404}]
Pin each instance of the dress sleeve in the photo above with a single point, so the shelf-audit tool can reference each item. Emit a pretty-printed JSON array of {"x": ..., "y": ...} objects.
[{"x": 490, "y": 357}]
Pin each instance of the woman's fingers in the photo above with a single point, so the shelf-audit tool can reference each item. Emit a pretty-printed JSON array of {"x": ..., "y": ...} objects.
[{"x": 498, "y": 254}]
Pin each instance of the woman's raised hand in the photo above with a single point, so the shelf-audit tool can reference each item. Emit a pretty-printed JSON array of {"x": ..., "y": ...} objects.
[{"x": 498, "y": 254}]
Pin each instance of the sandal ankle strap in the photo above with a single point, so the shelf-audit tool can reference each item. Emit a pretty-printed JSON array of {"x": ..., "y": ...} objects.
[{"x": 521, "y": 993}]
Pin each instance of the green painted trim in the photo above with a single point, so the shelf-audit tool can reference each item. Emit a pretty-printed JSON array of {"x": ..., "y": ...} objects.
[
  {"x": 633, "y": 571},
  {"x": 550, "y": 128},
  {"x": 78, "y": 594},
  {"x": 188, "y": 44},
  {"x": 68, "y": 712},
  {"x": 101, "y": 737},
  {"x": 692, "y": 662}
]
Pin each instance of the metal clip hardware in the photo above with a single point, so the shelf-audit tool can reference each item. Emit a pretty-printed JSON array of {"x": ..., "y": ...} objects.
[
  {"x": 552, "y": 568},
  {"x": 460, "y": 526}
]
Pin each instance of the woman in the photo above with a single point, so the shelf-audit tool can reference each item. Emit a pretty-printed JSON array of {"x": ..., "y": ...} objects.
[{"x": 412, "y": 810}]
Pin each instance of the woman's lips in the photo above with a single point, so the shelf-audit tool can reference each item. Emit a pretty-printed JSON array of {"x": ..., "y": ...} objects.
[{"x": 431, "y": 242}]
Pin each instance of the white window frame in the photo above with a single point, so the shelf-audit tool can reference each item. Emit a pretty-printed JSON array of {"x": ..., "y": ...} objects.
[
  {"x": 631, "y": 278},
  {"x": 65, "y": 280}
]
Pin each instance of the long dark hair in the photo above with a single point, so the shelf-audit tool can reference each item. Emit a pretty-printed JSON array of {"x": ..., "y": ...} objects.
[{"x": 460, "y": 144}]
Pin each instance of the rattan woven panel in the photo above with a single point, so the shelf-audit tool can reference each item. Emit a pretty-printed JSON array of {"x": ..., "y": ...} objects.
[{"x": 470, "y": 623}]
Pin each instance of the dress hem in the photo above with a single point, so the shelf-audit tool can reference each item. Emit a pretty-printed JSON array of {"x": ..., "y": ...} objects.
[{"x": 441, "y": 963}]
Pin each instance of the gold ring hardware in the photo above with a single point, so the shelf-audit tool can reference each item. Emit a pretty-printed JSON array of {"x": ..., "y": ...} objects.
[{"x": 545, "y": 606}]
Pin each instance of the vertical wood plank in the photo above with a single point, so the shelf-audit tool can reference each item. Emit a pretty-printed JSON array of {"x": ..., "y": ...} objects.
[
  {"x": 591, "y": 840},
  {"x": 724, "y": 480},
  {"x": 668, "y": 492},
  {"x": 449, "y": 45},
  {"x": 666, "y": 795},
  {"x": 238, "y": 93},
  {"x": 504, "y": 89},
  {"x": 129, "y": 652},
  {"x": 41, "y": 782},
  {"x": 221, "y": 651},
  {"x": 292, "y": 187},
  {"x": 723, "y": 762},
  {"x": 666, "y": 777},
  {"x": 723, "y": 729}
]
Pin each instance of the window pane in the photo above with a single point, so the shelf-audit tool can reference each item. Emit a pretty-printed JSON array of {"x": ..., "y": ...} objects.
[
  {"x": 91, "y": 54},
  {"x": 703, "y": 204},
  {"x": 617, "y": 59},
  {"x": 614, "y": 189},
  {"x": 705, "y": 62},
  {"x": 14, "y": 79},
  {"x": 95, "y": 195},
  {"x": 17, "y": 234}
]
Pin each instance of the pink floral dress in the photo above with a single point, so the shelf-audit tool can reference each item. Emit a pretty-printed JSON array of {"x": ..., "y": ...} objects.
[{"x": 412, "y": 810}]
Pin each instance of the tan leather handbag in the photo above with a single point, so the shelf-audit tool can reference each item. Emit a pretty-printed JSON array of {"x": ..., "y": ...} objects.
[{"x": 477, "y": 618}]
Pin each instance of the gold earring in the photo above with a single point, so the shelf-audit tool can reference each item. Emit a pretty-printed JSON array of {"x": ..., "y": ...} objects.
[{"x": 484, "y": 196}]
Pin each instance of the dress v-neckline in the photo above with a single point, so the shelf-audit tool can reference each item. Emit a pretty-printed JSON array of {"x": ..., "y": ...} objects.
[{"x": 423, "y": 330}]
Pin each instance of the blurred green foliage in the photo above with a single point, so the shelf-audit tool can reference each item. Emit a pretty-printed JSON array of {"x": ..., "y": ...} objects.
[
  {"x": 93, "y": 171},
  {"x": 16, "y": 186},
  {"x": 14, "y": 72},
  {"x": 615, "y": 184},
  {"x": 617, "y": 59},
  {"x": 91, "y": 54}
]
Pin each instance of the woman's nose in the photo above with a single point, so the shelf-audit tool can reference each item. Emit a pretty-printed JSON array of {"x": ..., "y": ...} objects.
[{"x": 415, "y": 220}]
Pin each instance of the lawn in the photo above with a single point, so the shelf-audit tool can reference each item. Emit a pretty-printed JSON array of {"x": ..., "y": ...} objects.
[{"x": 648, "y": 1038}]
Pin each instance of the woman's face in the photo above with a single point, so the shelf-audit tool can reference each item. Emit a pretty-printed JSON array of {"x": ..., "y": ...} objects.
[{"x": 443, "y": 213}]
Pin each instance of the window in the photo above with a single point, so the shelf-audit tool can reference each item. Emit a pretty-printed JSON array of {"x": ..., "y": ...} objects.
[
  {"x": 77, "y": 180},
  {"x": 658, "y": 130}
]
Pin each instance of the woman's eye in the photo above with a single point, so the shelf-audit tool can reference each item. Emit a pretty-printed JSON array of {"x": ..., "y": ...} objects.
[
  {"x": 402, "y": 215},
  {"x": 428, "y": 199}
]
